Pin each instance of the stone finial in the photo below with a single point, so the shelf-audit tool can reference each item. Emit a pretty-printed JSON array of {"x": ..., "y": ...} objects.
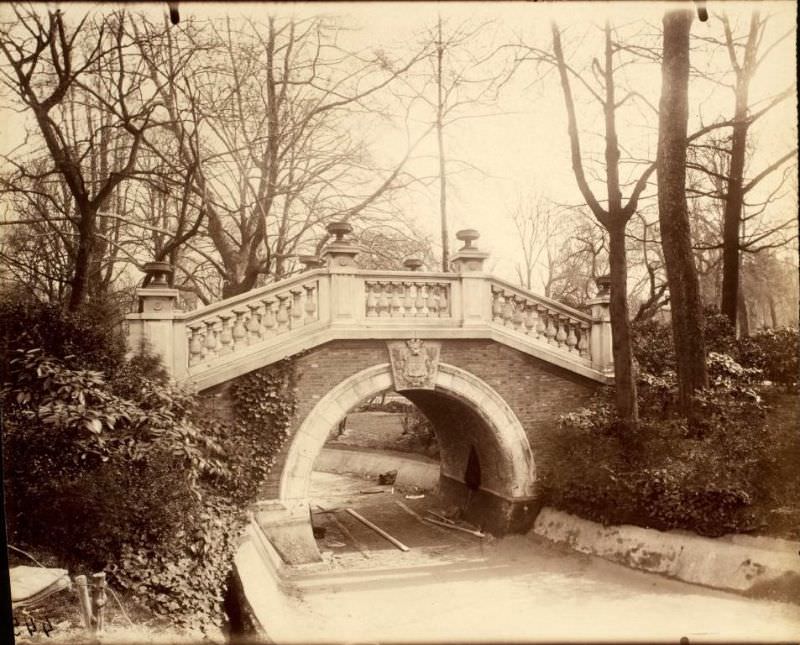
[
  {"x": 340, "y": 253},
  {"x": 412, "y": 263},
  {"x": 157, "y": 296},
  {"x": 469, "y": 258},
  {"x": 468, "y": 236},
  {"x": 603, "y": 283},
  {"x": 159, "y": 273}
]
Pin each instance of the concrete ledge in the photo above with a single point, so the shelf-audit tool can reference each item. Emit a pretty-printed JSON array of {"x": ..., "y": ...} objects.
[
  {"x": 753, "y": 566},
  {"x": 411, "y": 471}
]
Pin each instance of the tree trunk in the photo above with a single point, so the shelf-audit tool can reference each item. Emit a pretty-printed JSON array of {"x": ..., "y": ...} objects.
[
  {"x": 734, "y": 195},
  {"x": 624, "y": 377},
  {"x": 743, "y": 315},
  {"x": 684, "y": 288}
]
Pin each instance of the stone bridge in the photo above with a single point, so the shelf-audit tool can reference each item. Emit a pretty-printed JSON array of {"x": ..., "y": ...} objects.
[{"x": 491, "y": 365}]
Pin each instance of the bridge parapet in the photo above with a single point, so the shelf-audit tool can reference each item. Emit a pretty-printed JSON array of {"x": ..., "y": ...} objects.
[{"x": 228, "y": 338}]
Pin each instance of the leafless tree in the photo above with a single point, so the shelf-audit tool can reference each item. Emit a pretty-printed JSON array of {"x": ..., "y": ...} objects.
[
  {"x": 86, "y": 93},
  {"x": 746, "y": 54}
]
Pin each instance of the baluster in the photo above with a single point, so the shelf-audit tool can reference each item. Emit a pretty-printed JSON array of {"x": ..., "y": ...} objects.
[
  {"x": 551, "y": 330},
  {"x": 572, "y": 339},
  {"x": 419, "y": 301},
  {"x": 383, "y": 301},
  {"x": 372, "y": 299},
  {"x": 517, "y": 317},
  {"x": 432, "y": 302},
  {"x": 508, "y": 309},
  {"x": 226, "y": 337},
  {"x": 254, "y": 322},
  {"x": 497, "y": 305},
  {"x": 408, "y": 300},
  {"x": 311, "y": 302},
  {"x": 212, "y": 328},
  {"x": 583, "y": 344},
  {"x": 541, "y": 322},
  {"x": 296, "y": 308},
  {"x": 196, "y": 343},
  {"x": 396, "y": 303},
  {"x": 239, "y": 331},
  {"x": 269, "y": 321},
  {"x": 530, "y": 319},
  {"x": 282, "y": 317},
  {"x": 444, "y": 304},
  {"x": 561, "y": 335}
]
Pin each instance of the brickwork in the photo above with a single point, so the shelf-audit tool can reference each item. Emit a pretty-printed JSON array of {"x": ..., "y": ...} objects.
[{"x": 536, "y": 391}]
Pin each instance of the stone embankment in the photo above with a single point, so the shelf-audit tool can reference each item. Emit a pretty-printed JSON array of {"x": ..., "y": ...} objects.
[{"x": 755, "y": 566}]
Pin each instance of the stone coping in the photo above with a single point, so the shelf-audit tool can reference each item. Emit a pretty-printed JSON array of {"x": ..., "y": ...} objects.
[{"x": 755, "y": 566}]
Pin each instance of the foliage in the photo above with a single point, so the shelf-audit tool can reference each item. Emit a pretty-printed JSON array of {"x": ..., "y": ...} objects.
[
  {"x": 776, "y": 352},
  {"x": 264, "y": 402},
  {"x": 88, "y": 338},
  {"x": 704, "y": 475},
  {"x": 773, "y": 351}
]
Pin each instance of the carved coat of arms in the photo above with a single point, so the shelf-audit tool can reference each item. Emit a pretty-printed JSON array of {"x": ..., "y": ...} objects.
[{"x": 414, "y": 363}]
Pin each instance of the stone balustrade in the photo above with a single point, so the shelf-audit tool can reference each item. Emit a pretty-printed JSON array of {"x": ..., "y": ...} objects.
[
  {"x": 341, "y": 301},
  {"x": 224, "y": 328},
  {"x": 408, "y": 298},
  {"x": 541, "y": 319}
]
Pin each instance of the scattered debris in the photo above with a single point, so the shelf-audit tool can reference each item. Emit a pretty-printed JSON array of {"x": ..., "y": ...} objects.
[
  {"x": 387, "y": 478},
  {"x": 420, "y": 496},
  {"x": 378, "y": 530},
  {"x": 335, "y": 544},
  {"x": 319, "y": 532},
  {"x": 371, "y": 491}
]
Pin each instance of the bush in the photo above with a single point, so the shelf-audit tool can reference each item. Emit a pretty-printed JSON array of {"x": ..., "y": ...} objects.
[
  {"x": 112, "y": 473},
  {"x": 776, "y": 353},
  {"x": 89, "y": 338},
  {"x": 705, "y": 475}
]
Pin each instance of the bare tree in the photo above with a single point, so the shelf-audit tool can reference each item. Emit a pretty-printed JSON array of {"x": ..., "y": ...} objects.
[
  {"x": 686, "y": 306},
  {"x": 62, "y": 74},
  {"x": 614, "y": 216},
  {"x": 746, "y": 54},
  {"x": 264, "y": 121}
]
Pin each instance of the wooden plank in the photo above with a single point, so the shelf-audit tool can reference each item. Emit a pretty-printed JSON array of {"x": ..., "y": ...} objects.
[
  {"x": 346, "y": 532},
  {"x": 456, "y": 527},
  {"x": 413, "y": 513},
  {"x": 378, "y": 530}
]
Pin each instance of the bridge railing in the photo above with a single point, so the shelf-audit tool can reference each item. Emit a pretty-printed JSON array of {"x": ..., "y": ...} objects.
[{"x": 340, "y": 301}]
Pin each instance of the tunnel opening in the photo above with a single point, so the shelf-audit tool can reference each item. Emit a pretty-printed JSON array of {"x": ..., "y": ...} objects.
[{"x": 485, "y": 469}]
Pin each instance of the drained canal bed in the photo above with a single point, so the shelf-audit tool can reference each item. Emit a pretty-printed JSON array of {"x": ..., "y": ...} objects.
[{"x": 455, "y": 587}]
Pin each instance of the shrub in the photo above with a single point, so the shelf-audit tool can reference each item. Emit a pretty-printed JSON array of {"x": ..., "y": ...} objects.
[
  {"x": 776, "y": 352},
  {"x": 112, "y": 473},
  {"x": 705, "y": 475},
  {"x": 89, "y": 338}
]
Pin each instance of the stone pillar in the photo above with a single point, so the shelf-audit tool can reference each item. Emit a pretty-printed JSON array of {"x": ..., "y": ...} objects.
[
  {"x": 346, "y": 291},
  {"x": 154, "y": 328},
  {"x": 476, "y": 295},
  {"x": 602, "y": 355}
]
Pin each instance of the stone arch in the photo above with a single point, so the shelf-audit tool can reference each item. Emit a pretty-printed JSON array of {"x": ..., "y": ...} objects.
[{"x": 513, "y": 449}]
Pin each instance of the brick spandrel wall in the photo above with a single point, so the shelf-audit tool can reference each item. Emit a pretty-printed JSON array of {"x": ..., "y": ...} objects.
[{"x": 536, "y": 391}]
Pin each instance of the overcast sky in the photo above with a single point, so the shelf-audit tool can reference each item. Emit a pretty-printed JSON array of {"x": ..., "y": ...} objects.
[{"x": 521, "y": 149}]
